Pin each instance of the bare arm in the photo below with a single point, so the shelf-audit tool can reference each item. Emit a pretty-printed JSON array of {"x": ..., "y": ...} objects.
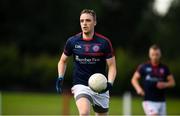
[
  {"x": 111, "y": 69},
  {"x": 62, "y": 65},
  {"x": 169, "y": 84},
  {"x": 136, "y": 85},
  {"x": 170, "y": 81}
]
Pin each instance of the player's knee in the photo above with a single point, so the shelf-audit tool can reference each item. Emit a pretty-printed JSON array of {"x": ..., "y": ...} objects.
[
  {"x": 83, "y": 105},
  {"x": 84, "y": 111}
]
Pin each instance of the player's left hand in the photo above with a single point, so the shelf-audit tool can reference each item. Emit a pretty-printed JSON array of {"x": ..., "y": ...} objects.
[
  {"x": 161, "y": 85},
  {"x": 108, "y": 88},
  {"x": 59, "y": 84}
]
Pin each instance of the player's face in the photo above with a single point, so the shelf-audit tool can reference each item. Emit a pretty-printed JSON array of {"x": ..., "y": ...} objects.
[
  {"x": 87, "y": 23},
  {"x": 154, "y": 55}
]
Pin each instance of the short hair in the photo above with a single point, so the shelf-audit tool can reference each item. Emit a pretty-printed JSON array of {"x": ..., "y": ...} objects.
[
  {"x": 89, "y": 11},
  {"x": 155, "y": 47}
]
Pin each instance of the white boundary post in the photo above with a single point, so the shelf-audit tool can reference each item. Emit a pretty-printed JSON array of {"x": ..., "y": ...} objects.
[{"x": 127, "y": 104}]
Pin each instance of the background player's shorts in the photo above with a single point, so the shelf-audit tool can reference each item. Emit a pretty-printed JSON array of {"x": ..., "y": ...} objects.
[
  {"x": 100, "y": 102},
  {"x": 151, "y": 107}
]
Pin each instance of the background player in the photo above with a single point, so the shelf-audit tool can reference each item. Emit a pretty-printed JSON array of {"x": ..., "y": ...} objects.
[
  {"x": 91, "y": 53},
  {"x": 156, "y": 77}
]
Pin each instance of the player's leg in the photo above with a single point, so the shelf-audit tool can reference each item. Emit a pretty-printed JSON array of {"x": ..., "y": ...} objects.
[
  {"x": 101, "y": 104},
  {"x": 83, "y": 105},
  {"x": 83, "y": 99},
  {"x": 150, "y": 108},
  {"x": 162, "y": 111},
  {"x": 101, "y": 113}
]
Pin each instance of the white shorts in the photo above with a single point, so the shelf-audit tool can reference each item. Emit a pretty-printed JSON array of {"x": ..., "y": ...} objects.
[
  {"x": 100, "y": 102},
  {"x": 151, "y": 107}
]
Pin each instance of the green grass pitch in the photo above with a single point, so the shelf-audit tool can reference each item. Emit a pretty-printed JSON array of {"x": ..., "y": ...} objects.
[{"x": 51, "y": 104}]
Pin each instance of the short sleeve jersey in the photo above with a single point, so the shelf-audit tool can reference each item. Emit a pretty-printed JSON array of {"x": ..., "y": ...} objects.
[
  {"x": 89, "y": 57},
  {"x": 150, "y": 76}
]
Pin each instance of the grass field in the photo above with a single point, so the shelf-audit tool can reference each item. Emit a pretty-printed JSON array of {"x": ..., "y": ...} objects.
[{"x": 52, "y": 104}]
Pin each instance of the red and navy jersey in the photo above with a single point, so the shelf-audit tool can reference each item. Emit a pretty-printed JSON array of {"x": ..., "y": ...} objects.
[
  {"x": 89, "y": 56},
  {"x": 150, "y": 75}
]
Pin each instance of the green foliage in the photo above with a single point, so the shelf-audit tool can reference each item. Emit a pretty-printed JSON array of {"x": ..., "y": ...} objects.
[
  {"x": 126, "y": 65},
  {"x": 39, "y": 72},
  {"x": 174, "y": 66},
  {"x": 9, "y": 65},
  {"x": 39, "y": 29},
  {"x": 9, "y": 60}
]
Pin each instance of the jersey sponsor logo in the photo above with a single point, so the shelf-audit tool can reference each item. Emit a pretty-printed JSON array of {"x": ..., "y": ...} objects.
[
  {"x": 152, "y": 79},
  {"x": 77, "y": 46},
  {"x": 87, "y": 60},
  {"x": 96, "y": 48}
]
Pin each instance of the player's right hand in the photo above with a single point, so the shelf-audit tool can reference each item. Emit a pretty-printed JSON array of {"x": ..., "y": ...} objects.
[
  {"x": 59, "y": 84},
  {"x": 161, "y": 85},
  {"x": 140, "y": 92}
]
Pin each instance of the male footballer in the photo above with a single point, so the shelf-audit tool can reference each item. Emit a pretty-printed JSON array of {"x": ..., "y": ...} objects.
[
  {"x": 156, "y": 78},
  {"x": 92, "y": 53}
]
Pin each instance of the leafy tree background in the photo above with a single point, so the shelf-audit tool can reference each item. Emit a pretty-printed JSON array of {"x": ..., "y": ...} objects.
[{"x": 33, "y": 33}]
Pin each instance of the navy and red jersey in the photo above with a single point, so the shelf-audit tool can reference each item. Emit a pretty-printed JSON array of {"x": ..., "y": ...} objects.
[
  {"x": 150, "y": 75},
  {"x": 89, "y": 56}
]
